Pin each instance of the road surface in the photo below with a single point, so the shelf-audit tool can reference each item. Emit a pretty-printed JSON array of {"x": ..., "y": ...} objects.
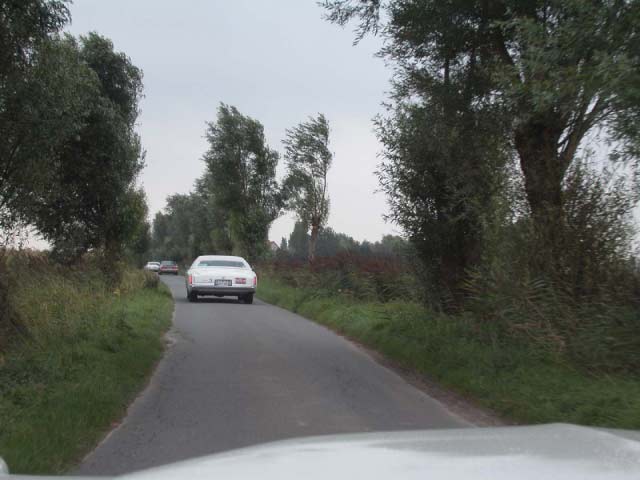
[{"x": 239, "y": 375}]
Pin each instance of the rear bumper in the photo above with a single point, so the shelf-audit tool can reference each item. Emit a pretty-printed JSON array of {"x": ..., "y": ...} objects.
[{"x": 212, "y": 290}]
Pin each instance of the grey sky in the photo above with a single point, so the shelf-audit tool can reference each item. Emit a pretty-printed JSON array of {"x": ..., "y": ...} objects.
[{"x": 277, "y": 61}]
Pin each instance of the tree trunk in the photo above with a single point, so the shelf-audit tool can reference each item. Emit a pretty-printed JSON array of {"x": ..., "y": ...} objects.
[
  {"x": 5, "y": 310},
  {"x": 544, "y": 171},
  {"x": 10, "y": 323},
  {"x": 111, "y": 261},
  {"x": 315, "y": 230}
]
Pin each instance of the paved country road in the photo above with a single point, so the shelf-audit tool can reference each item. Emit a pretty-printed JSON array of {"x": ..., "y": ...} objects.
[{"x": 239, "y": 375}]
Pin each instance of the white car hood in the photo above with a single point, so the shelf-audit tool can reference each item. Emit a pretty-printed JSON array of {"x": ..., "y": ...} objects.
[{"x": 554, "y": 451}]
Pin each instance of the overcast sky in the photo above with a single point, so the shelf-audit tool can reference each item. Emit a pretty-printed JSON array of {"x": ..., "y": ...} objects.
[{"x": 277, "y": 61}]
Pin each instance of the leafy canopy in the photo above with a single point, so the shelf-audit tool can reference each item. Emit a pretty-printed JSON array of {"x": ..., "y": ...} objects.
[
  {"x": 241, "y": 178},
  {"x": 477, "y": 83},
  {"x": 308, "y": 161}
]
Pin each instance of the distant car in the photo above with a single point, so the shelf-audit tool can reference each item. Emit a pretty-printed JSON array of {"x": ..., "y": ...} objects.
[
  {"x": 168, "y": 266},
  {"x": 221, "y": 276},
  {"x": 152, "y": 266}
]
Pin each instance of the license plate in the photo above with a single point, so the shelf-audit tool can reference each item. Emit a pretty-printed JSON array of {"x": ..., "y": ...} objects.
[{"x": 222, "y": 283}]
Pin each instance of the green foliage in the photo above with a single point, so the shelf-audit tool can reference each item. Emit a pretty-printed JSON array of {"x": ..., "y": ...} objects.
[
  {"x": 43, "y": 98},
  {"x": 138, "y": 243},
  {"x": 240, "y": 179},
  {"x": 308, "y": 160},
  {"x": 69, "y": 154},
  {"x": 91, "y": 200},
  {"x": 442, "y": 174},
  {"x": 236, "y": 200},
  {"x": 592, "y": 334},
  {"x": 84, "y": 350},
  {"x": 381, "y": 278},
  {"x": 476, "y": 84},
  {"x": 24, "y": 26},
  {"x": 588, "y": 311},
  {"x": 513, "y": 377},
  {"x": 233, "y": 203},
  {"x": 331, "y": 243},
  {"x": 299, "y": 241},
  {"x": 190, "y": 225}
]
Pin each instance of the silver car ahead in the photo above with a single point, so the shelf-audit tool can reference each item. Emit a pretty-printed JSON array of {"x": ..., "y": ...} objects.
[
  {"x": 152, "y": 266},
  {"x": 221, "y": 276}
]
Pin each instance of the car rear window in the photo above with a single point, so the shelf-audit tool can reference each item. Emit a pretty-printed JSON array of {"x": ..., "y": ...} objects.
[
  {"x": 167, "y": 262},
  {"x": 221, "y": 263}
]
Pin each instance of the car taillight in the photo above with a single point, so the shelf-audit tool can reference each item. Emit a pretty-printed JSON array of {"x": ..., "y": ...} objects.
[
  {"x": 241, "y": 281},
  {"x": 255, "y": 281},
  {"x": 190, "y": 280}
]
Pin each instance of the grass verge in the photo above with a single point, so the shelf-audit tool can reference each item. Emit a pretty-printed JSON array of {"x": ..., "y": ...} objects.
[
  {"x": 84, "y": 354},
  {"x": 514, "y": 379}
]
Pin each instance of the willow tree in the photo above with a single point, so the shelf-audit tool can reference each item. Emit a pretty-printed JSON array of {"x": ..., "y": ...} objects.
[
  {"x": 241, "y": 179},
  {"x": 40, "y": 100},
  {"x": 554, "y": 70},
  {"x": 91, "y": 199},
  {"x": 308, "y": 161}
]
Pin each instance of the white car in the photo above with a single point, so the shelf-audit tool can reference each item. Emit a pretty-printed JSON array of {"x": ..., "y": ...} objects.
[
  {"x": 152, "y": 266},
  {"x": 566, "y": 452},
  {"x": 221, "y": 276}
]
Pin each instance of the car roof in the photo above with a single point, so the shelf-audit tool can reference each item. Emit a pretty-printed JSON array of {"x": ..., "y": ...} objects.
[{"x": 220, "y": 257}]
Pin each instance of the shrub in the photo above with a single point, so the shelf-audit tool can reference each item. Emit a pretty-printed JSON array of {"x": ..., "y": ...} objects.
[
  {"x": 39, "y": 296},
  {"x": 151, "y": 280},
  {"x": 361, "y": 277},
  {"x": 595, "y": 333}
]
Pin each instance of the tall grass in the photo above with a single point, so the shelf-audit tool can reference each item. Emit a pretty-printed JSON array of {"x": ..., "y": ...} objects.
[
  {"x": 383, "y": 278},
  {"x": 599, "y": 333},
  {"x": 595, "y": 334},
  {"x": 78, "y": 352}
]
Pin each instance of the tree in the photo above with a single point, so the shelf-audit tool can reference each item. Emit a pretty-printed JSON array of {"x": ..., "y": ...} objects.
[
  {"x": 134, "y": 229},
  {"x": 41, "y": 98},
  {"x": 214, "y": 220},
  {"x": 391, "y": 245},
  {"x": 331, "y": 243},
  {"x": 328, "y": 243},
  {"x": 69, "y": 155},
  {"x": 140, "y": 245},
  {"x": 299, "y": 241},
  {"x": 442, "y": 169},
  {"x": 91, "y": 198},
  {"x": 24, "y": 26},
  {"x": 553, "y": 70},
  {"x": 240, "y": 179},
  {"x": 308, "y": 160}
]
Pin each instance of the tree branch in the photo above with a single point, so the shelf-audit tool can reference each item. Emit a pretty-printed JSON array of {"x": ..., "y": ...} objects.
[{"x": 581, "y": 125}]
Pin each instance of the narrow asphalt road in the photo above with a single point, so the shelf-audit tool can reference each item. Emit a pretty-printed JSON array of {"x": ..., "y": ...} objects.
[{"x": 239, "y": 375}]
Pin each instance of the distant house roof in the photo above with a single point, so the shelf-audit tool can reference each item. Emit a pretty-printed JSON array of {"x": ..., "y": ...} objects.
[{"x": 273, "y": 246}]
